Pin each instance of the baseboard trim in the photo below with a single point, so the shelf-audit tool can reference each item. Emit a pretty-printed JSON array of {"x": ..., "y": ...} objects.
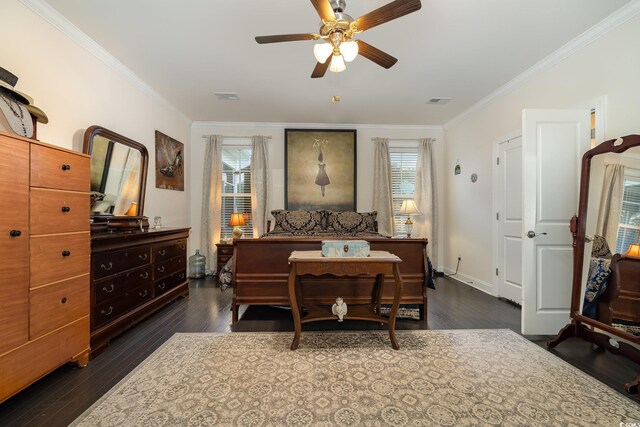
[{"x": 470, "y": 281}]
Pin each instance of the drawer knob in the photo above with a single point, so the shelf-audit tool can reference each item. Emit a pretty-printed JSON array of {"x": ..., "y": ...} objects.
[
  {"x": 110, "y": 289},
  {"x": 104, "y": 267},
  {"x": 66, "y": 167},
  {"x": 162, "y": 252},
  {"x": 15, "y": 233},
  {"x": 107, "y": 313},
  {"x": 145, "y": 275},
  {"x": 143, "y": 294},
  {"x": 181, "y": 275},
  {"x": 63, "y": 300},
  {"x": 143, "y": 257},
  {"x": 65, "y": 209},
  {"x": 161, "y": 269},
  {"x": 66, "y": 253},
  {"x": 161, "y": 285}
]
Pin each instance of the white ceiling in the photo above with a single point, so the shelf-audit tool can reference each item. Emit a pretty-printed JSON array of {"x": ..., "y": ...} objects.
[{"x": 463, "y": 49}]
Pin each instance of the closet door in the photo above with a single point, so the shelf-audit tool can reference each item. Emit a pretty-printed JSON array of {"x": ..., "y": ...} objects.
[{"x": 14, "y": 243}]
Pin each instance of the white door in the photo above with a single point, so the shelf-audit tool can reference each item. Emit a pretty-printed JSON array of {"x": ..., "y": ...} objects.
[
  {"x": 553, "y": 142},
  {"x": 509, "y": 219}
]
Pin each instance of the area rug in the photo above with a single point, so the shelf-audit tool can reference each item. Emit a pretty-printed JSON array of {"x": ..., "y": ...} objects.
[{"x": 461, "y": 378}]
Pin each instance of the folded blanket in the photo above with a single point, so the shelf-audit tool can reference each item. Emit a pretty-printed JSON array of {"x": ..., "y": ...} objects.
[{"x": 599, "y": 273}]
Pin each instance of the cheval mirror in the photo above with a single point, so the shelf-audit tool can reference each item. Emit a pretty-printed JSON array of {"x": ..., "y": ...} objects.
[
  {"x": 605, "y": 296},
  {"x": 118, "y": 180}
]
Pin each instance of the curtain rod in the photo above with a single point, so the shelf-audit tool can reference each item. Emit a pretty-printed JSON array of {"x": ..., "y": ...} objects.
[
  {"x": 405, "y": 139},
  {"x": 238, "y": 137}
]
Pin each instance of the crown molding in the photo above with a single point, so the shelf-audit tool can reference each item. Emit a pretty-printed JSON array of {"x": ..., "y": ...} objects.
[
  {"x": 56, "y": 20},
  {"x": 611, "y": 22},
  {"x": 272, "y": 125}
]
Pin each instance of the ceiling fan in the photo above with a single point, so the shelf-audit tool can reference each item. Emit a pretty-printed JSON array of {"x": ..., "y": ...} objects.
[{"x": 338, "y": 29}]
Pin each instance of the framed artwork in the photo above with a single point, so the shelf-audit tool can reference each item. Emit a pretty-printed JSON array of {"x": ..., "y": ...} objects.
[
  {"x": 169, "y": 163},
  {"x": 320, "y": 169}
]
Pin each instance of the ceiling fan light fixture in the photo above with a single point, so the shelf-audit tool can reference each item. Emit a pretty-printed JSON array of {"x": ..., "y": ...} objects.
[
  {"x": 349, "y": 50},
  {"x": 322, "y": 51},
  {"x": 337, "y": 64}
]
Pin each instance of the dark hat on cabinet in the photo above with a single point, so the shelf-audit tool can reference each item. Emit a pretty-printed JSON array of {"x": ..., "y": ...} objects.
[{"x": 8, "y": 81}]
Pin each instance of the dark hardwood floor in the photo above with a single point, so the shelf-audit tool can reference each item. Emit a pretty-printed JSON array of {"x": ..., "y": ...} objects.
[{"x": 60, "y": 397}]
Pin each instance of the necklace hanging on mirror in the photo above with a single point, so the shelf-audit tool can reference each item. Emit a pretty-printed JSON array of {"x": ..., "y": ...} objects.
[{"x": 15, "y": 113}]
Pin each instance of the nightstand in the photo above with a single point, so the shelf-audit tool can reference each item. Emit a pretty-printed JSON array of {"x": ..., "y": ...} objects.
[{"x": 225, "y": 251}]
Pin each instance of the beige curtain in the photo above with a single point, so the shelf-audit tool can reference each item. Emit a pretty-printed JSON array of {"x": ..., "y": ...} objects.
[
  {"x": 425, "y": 196},
  {"x": 259, "y": 184},
  {"x": 611, "y": 204},
  {"x": 211, "y": 200},
  {"x": 382, "y": 197}
]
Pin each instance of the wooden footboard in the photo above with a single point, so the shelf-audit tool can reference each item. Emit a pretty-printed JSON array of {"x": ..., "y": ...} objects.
[{"x": 260, "y": 272}]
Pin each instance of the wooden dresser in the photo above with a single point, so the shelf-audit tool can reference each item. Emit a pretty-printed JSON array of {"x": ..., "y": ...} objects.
[
  {"x": 44, "y": 258},
  {"x": 134, "y": 274}
]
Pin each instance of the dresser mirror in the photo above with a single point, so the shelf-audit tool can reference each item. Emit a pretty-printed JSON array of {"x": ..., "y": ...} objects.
[
  {"x": 118, "y": 177},
  {"x": 605, "y": 301}
]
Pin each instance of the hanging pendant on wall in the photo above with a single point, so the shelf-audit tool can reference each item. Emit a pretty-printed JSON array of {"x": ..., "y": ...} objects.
[{"x": 457, "y": 170}]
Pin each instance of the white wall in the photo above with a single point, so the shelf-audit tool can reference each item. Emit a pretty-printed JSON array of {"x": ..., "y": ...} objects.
[
  {"x": 609, "y": 66},
  {"x": 78, "y": 90},
  {"x": 276, "y": 159}
]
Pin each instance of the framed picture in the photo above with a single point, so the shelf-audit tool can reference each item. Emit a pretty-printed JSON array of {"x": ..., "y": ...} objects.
[
  {"x": 169, "y": 163},
  {"x": 320, "y": 169}
]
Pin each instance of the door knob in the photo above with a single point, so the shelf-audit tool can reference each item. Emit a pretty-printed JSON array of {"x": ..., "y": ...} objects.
[{"x": 531, "y": 234}]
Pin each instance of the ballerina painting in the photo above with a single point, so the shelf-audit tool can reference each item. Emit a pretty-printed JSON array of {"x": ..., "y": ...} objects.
[
  {"x": 320, "y": 169},
  {"x": 322, "y": 179}
]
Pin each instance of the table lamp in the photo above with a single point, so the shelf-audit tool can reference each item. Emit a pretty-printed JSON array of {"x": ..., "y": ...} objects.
[
  {"x": 409, "y": 208},
  {"x": 133, "y": 209},
  {"x": 236, "y": 221},
  {"x": 634, "y": 250}
]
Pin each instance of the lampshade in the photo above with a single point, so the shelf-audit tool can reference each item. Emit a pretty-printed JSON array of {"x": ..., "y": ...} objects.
[
  {"x": 349, "y": 50},
  {"x": 133, "y": 209},
  {"x": 634, "y": 250},
  {"x": 337, "y": 64},
  {"x": 322, "y": 51},
  {"x": 409, "y": 208},
  {"x": 236, "y": 220}
]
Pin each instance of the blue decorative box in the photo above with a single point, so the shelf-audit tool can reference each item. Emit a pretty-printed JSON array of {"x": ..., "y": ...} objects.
[{"x": 345, "y": 248}]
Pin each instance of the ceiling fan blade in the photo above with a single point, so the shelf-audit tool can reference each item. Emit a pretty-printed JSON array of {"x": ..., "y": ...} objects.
[
  {"x": 321, "y": 68},
  {"x": 286, "y": 38},
  {"x": 376, "y": 55},
  {"x": 324, "y": 9},
  {"x": 387, "y": 13}
]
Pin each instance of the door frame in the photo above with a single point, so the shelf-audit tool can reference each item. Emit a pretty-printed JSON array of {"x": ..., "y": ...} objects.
[{"x": 496, "y": 202}]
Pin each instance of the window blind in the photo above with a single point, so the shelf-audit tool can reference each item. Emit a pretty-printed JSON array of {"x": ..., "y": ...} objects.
[
  {"x": 403, "y": 179},
  {"x": 629, "y": 229},
  {"x": 236, "y": 188}
]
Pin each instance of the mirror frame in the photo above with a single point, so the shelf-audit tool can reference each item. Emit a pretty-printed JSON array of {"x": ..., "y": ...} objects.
[
  {"x": 87, "y": 147},
  {"x": 578, "y": 225}
]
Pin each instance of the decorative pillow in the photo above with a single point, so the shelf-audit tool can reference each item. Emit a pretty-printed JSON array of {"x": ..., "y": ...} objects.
[
  {"x": 351, "y": 222},
  {"x": 600, "y": 248},
  {"x": 297, "y": 221}
]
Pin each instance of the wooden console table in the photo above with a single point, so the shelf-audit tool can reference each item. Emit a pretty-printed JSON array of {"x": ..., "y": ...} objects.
[{"x": 313, "y": 263}]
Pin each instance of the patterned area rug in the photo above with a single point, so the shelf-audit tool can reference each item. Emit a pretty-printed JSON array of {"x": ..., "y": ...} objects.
[{"x": 462, "y": 378}]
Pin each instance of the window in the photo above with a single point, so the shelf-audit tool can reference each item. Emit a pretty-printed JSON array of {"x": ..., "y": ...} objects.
[
  {"x": 403, "y": 179},
  {"x": 236, "y": 187},
  {"x": 629, "y": 229}
]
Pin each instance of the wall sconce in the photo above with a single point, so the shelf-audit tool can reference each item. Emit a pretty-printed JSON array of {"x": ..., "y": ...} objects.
[
  {"x": 409, "y": 208},
  {"x": 133, "y": 209},
  {"x": 236, "y": 221}
]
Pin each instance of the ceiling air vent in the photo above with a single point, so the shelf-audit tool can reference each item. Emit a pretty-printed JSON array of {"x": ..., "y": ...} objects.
[
  {"x": 438, "y": 101},
  {"x": 226, "y": 96}
]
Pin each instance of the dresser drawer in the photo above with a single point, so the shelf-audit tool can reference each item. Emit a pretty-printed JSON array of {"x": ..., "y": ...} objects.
[
  {"x": 14, "y": 162},
  {"x": 54, "y": 306},
  {"x": 55, "y": 211},
  {"x": 110, "y": 310},
  {"x": 225, "y": 250},
  {"x": 169, "y": 250},
  {"x": 114, "y": 286},
  {"x": 51, "y": 168},
  {"x": 54, "y": 258},
  {"x": 169, "y": 267},
  {"x": 116, "y": 262},
  {"x": 170, "y": 282}
]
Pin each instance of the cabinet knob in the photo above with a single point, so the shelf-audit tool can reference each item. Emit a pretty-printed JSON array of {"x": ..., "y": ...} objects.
[
  {"x": 107, "y": 313},
  {"x": 63, "y": 300},
  {"x": 161, "y": 269},
  {"x": 65, "y": 209},
  {"x": 66, "y": 167},
  {"x": 161, "y": 285},
  {"x": 106, "y": 268},
  {"x": 109, "y": 289},
  {"x": 66, "y": 253},
  {"x": 143, "y": 294},
  {"x": 15, "y": 233},
  {"x": 143, "y": 257},
  {"x": 145, "y": 275},
  {"x": 162, "y": 252}
]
